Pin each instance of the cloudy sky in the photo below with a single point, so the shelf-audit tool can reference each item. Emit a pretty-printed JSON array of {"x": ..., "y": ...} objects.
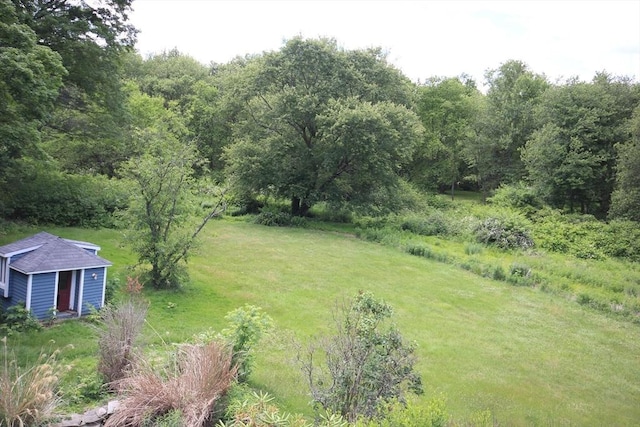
[{"x": 422, "y": 38}]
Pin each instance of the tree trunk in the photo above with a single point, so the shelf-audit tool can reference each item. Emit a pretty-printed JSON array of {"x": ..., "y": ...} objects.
[{"x": 299, "y": 207}]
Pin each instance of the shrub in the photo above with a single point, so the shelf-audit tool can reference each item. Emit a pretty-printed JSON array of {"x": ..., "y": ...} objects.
[
  {"x": 87, "y": 387},
  {"x": 120, "y": 326},
  {"x": 246, "y": 327},
  {"x": 518, "y": 196},
  {"x": 410, "y": 414},
  {"x": 366, "y": 367},
  {"x": 18, "y": 319},
  {"x": 498, "y": 273},
  {"x": 506, "y": 231},
  {"x": 27, "y": 394},
  {"x": 194, "y": 386},
  {"x": 520, "y": 270},
  {"x": 434, "y": 224},
  {"x": 43, "y": 195},
  {"x": 271, "y": 219}
]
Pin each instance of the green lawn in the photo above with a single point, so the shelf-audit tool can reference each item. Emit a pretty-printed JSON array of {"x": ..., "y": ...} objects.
[{"x": 530, "y": 357}]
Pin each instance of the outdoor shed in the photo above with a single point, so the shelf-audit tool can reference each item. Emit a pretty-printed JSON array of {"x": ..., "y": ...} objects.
[{"x": 46, "y": 272}]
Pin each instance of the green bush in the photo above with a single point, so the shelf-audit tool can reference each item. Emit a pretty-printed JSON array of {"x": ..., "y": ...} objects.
[
  {"x": 45, "y": 196},
  {"x": 363, "y": 367},
  {"x": 87, "y": 387},
  {"x": 520, "y": 270},
  {"x": 273, "y": 219},
  {"x": 518, "y": 196},
  {"x": 18, "y": 319},
  {"x": 247, "y": 325},
  {"x": 507, "y": 231},
  {"x": 434, "y": 224},
  {"x": 410, "y": 414},
  {"x": 498, "y": 273}
]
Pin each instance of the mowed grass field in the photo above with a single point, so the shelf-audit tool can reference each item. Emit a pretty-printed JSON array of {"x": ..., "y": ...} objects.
[{"x": 529, "y": 357}]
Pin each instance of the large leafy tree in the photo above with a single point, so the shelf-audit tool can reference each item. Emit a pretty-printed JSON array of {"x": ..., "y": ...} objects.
[
  {"x": 571, "y": 158},
  {"x": 448, "y": 109},
  {"x": 625, "y": 201},
  {"x": 506, "y": 124},
  {"x": 89, "y": 122},
  {"x": 88, "y": 35},
  {"x": 321, "y": 124},
  {"x": 30, "y": 77},
  {"x": 171, "y": 75}
]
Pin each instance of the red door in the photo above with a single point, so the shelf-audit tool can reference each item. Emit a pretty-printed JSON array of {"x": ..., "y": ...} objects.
[{"x": 64, "y": 290}]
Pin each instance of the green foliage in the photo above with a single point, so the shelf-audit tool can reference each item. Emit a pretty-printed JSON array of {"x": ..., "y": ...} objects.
[
  {"x": 271, "y": 218},
  {"x": 87, "y": 387},
  {"x": 516, "y": 196},
  {"x": 44, "y": 195},
  {"x": 366, "y": 367},
  {"x": 409, "y": 414},
  {"x": 164, "y": 207},
  {"x": 18, "y": 319},
  {"x": 436, "y": 223},
  {"x": 506, "y": 231},
  {"x": 321, "y": 140},
  {"x": 250, "y": 408},
  {"x": 419, "y": 250},
  {"x": 30, "y": 76},
  {"x": 571, "y": 156},
  {"x": 473, "y": 248},
  {"x": 585, "y": 237},
  {"x": 625, "y": 200},
  {"x": 504, "y": 124},
  {"x": 498, "y": 273},
  {"x": 447, "y": 108},
  {"x": 246, "y": 327}
]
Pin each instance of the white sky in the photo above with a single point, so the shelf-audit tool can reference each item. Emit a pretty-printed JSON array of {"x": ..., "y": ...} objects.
[{"x": 423, "y": 38}]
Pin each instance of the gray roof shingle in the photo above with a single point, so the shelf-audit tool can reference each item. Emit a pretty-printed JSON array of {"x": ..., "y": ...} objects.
[{"x": 52, "y": 253}]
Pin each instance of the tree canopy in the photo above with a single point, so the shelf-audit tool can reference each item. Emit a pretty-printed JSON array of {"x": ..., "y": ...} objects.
[
  {"x": 30, "y": 77},
  {"x": 322, "y": 124}
]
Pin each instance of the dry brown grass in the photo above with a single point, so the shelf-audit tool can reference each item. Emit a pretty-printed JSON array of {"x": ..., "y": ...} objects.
[
  {"x": 200, "y": 378},
  {"x": 27, "y": 394},
  {"x": 121, "y": 325}
]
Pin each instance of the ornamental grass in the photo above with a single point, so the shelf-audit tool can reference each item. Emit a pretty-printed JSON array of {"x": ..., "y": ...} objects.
[
  {"x": 27, "y": 394},
  {"x": 194, "y": 386}
]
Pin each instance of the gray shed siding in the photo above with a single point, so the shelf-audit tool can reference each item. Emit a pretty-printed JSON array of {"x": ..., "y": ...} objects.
[
  {"x": 43, "y": 296},
  {"x": 17, "y": 289},
  {"x": 92, "y": 294}
]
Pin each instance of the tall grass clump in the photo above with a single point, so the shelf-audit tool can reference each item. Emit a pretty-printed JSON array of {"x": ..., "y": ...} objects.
[
  {"x": 193, "y": 386},
  {"x": 27, "y": 394},
  {"x": 121, "y": 325}
]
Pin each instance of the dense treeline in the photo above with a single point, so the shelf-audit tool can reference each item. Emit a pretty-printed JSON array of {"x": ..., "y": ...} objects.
[{"x": 310, "y": 123}]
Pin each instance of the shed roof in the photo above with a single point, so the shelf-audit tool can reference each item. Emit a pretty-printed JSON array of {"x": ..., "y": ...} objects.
[{"x": 52, "y": 253}]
